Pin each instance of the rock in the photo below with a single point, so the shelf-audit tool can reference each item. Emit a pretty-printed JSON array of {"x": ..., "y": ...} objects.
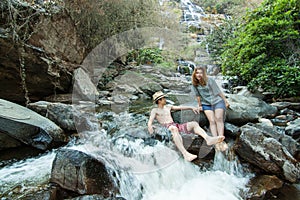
[
  {"x": 7, "y": 141},
  {"x": 83, "y": 87},
  {"x": 76, "y": 171},
  {"x": 243, "y": 90},
  {"x": 96, "y": 197},
  {"x": 49, "y": 56},
  {"x": 293, "y": 129},
  {"x": 247, "y": 109},
  {"x": 39, "y": 107},
  {"x": 290, "y": 105},
  {"x": 261, "y": 185},
  {"x": 62, "y": 98},
  {"x": 267, "y": 153},
  {"x": 71, "y": 118},
  {"x": 28, "y": 126},
  {"x": 265, "y": 122},
  {"x": 231, "y": 130},
  {"x": 278, "y": 133}
]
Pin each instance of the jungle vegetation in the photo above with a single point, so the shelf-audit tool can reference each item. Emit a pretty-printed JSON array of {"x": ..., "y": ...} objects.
[{"x": 262, "y": 49}]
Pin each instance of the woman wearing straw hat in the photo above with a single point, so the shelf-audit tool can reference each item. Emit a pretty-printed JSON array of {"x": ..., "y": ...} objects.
[{"x": 162, "y": 113}]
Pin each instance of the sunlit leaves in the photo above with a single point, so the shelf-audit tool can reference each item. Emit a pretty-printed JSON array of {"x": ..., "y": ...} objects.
[{"x": 265, "y": 50}]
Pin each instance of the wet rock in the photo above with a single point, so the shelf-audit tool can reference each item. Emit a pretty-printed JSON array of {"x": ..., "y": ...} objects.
[
  {"x": 277, "y": 133},
  {"x": 76, "y": 171},
  {"x": 293, "y": 129},
  {"x": 267, "y": 154},
  {"x": 261, "y": 185},
  {"x": 231, "y": 130},
  {"x": 28, "y": 126}
]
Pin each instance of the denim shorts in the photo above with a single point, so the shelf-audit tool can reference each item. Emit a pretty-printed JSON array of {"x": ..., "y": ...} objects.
[{"x": 220, "y": 104}]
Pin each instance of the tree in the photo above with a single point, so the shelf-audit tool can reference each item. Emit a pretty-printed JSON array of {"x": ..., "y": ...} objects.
[
  {"x": 97, "y": 20},
  {"x": 264, "y": 52}
]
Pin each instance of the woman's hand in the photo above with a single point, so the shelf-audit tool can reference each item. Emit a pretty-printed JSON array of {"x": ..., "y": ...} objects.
[
  {"x": 200, "y": 108},
  {"x": 227, "y": 104}
]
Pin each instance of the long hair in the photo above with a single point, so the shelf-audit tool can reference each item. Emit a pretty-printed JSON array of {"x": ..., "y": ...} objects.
[{"x": 204, "y": 79}]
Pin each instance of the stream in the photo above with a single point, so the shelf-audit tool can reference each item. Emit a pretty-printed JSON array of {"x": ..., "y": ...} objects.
[{"x": 142, "y": 170}]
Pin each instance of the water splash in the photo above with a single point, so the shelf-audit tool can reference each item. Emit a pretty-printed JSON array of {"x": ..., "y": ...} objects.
[
  {"x": 26, "y": 174},
  {"x": 158, "y": 171},
  {"x": 139, "y": 169}
]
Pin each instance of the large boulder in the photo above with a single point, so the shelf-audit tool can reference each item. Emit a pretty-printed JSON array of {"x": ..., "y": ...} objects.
[
  {"x": 43, "y": 62},
  {"x": 28, "y": 127},
  {"x": 76, "y": 171},
  {"x": 267, "y": 153},
  {"x": 71, "y": 118},
  {"x": 247, "y": 109},
  {"x": 242, "y": 110}
]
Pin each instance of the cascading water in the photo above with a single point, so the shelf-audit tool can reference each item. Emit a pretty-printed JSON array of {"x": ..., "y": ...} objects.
[
  {"x": 142, "y": 168},
  {"x": 27, "y": 175},
  {"x": 155, "y": 170}
]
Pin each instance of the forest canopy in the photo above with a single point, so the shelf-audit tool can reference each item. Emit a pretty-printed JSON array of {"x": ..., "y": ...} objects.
[{"x": 263, "y": 50}]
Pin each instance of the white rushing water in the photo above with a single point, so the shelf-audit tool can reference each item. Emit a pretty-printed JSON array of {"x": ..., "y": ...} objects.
[
  {"x": 26, "y": 174},
  {"x": 159, "y": 172},
  {"x": 140, "y": 170}
]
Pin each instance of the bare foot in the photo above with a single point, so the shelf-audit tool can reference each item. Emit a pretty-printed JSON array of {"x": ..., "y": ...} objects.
[
  {"x": 218, "y": 147},
  {"x": 221, "y": 146},
  {"x": 214, "y": 140},
  {"x": 224, "y": 146},
  {"x": 189, "y": 157}
]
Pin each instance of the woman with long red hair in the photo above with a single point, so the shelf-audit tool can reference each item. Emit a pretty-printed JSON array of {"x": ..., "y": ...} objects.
[{"x": 211, "y": 101}]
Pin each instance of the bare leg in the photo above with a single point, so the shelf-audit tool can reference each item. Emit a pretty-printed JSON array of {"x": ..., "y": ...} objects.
[
  {"x": 212, "y": 123},
  {"x": 179, "y": 144},
  {"x": 219, "y": 117},
  {"x": 199, "y": 131}
]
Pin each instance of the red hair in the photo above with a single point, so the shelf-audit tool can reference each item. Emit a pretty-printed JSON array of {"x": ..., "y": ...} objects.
[{"x": 204, "y": 79}]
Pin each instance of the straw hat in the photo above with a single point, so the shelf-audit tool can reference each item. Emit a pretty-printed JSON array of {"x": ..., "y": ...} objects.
[{"x": 158, "y": 95}]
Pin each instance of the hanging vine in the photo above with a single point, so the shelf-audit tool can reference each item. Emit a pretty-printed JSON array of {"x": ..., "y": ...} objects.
[{"x": 21, "y": 18}]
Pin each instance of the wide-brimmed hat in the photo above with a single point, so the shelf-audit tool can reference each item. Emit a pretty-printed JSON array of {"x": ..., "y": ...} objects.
[{"x": 158, "y": 95}]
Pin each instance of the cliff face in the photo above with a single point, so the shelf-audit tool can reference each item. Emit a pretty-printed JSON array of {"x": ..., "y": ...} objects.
[{"x": 38, "y": 52}]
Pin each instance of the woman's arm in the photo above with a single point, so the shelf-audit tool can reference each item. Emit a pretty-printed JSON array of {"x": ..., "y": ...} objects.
[
  {"x": 225, "y": 100},
  {"x": 197, "y": 94},
  {"x": 199, "y": 103}
]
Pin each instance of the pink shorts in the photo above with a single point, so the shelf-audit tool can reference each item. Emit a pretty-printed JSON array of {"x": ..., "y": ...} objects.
[{"x": 182, "y": 128}]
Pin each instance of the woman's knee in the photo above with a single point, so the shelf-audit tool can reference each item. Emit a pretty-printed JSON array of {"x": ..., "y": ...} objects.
[
  {"x": 212, "y": 120},
  {"x": 219, "y": 119}
]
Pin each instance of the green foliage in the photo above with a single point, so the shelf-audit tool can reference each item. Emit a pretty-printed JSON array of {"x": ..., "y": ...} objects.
[
  {"x": 146, "y": 56},
  {"x": 264, "y": 50},
  {"x": 278, "y": 78},
  {"x": 217, "y": 39}
]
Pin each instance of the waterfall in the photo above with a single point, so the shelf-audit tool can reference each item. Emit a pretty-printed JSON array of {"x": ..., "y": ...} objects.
[
  {"x": 140, "y": 166},
  {"x": 158, "y": 171},
  {"x": 27, "y": 174}
]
